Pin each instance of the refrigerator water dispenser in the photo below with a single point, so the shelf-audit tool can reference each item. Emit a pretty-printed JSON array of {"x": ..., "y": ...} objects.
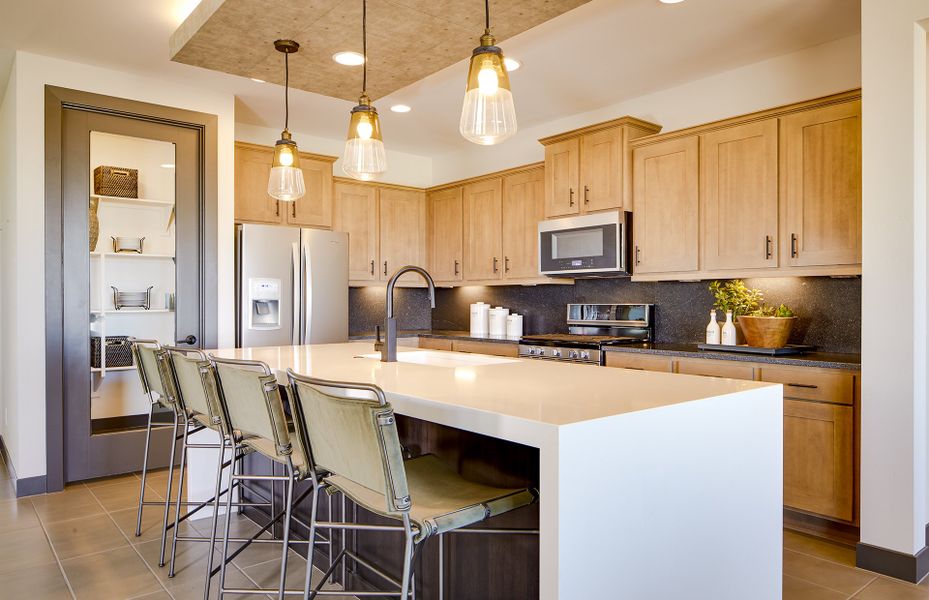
[{"x": 264, "y": 299}]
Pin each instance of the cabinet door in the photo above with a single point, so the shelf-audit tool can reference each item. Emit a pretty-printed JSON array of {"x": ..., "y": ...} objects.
[
  {"x": 716, "y": 368},
  {"x": 601, "y": 170},
  {"x": 355, "y": 212},
  {"x": 402, "y": 216},
  {"x": 315, "y": 208},
  {"x": 482, "y": 221},
  {"x": 819, "y": 458},
  {"x": 739, "y": 199},
  {"x": 561, "y": 178},
  {"x": 252, "y": 202},
  {"x": 638, "y": 362},
  {"x": 523, "y": 208},
  {"x": 492, "y": 348},
  {"x": 445, "y": 231},
  {"x": 821, "y": 186},
  {"x": 665, "y": 194}
]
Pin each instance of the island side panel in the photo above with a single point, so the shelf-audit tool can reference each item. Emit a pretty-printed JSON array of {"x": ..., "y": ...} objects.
[{"x": 683, "y": 501}]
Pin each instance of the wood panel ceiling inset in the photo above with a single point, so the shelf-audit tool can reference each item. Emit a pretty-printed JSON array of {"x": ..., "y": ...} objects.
[{"x": 407, "y": 39}]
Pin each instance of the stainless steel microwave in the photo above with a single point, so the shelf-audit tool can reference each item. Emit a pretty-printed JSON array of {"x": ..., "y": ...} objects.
[{"x": 594, "y": 245}]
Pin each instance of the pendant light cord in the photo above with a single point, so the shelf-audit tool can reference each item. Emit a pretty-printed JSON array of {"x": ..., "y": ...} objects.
[
  {"x": 286, "y": 90},
  {"x": 487, "y": 15},
  {"x": 364, "y": 47}
]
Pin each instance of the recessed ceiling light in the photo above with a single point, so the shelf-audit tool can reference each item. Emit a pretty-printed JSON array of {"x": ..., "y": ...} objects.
[
  {"x": 400, "y": 108},
  {"x": 256, "y": 80},
  {"x": 511, "y": 64},
  {"x": 670, "y": 1},
  {"x": 167, "y": 166},
  {"x": 351, "y": 59}
]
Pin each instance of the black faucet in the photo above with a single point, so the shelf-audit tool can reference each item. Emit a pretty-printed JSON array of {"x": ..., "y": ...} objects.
[{"x": 388, "y": 347}]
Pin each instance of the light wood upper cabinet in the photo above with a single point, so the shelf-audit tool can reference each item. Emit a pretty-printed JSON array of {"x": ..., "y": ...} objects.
[
  {"x": 739, "y": 196},
  {"x": 821, "y": 186},
  {"x": 315, "y": 208},
  {"x": 252, "y": 202},
  {"x": 523, "y": 208},
  {"x": 562, "y": 164},
  {"x": 355, "y": 212},
  {"x": 601, "y": 170},
  {"x": 665, "y": 184},
  {"x": 444, "y": 235},
  {"x": 819, "y": 459},
  {"x": 402, "y": 234},
  {"x": 482, "y": 204}
]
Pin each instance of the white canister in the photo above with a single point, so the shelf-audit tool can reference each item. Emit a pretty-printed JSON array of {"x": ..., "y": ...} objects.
[
  {"x": 514, "y": 326},
  {"x": 480, "y": 318},
  {"x": 498, "y": 317}
]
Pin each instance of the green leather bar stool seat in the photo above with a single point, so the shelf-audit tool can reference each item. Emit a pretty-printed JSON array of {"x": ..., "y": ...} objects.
[{"x": 442, "y": 499}]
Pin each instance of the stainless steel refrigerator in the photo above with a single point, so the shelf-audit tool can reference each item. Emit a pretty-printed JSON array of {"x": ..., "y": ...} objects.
[{"x": 291, "y": 286}]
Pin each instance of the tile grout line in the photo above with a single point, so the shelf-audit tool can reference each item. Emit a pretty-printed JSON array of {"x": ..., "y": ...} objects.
[
  {"x": 51, "y": 546},
  {"x": 134, "y": 549}
]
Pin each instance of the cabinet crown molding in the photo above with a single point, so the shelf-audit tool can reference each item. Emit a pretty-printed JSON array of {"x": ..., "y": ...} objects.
[
  {"x": 304, "y": 155},
  {"x": 632, "y": 122},
  {"x": 494, "y": 175}
]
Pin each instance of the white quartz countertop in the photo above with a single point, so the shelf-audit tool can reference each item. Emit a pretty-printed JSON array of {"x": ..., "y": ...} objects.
[{"x": 543, "y": 392}]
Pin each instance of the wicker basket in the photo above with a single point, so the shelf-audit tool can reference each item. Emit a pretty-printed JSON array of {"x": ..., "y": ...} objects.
[
  {"x": 94, "y": 223},
  {"x": 118, "y": 351},
  {"x": 116, "y": 181}
]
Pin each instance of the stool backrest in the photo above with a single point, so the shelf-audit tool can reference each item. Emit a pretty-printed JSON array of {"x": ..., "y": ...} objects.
[
  {"x": 149, "y": 363},
  {"x": 195, "y": 382},
  {"x": 351, "y": 431},
  {"x": 253, "y": 401}
]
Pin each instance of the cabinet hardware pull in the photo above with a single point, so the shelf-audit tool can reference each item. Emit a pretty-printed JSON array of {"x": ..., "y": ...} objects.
[
  {"x": 808, "y": 386},
  {"x": 506, "y": 264},
  {"x": 293, "y": 209},
  {"x": 767, "y": 247},
  {"x": 385, "y": 268},
  {"x": 372, "y": 267},
  {"x": 277, "y": 208},
  {"x": 456, "y": 266},
  {"x": 637, "y": 261},
  {"x": 793, "y": 245},
  {"x": 586, "y": 198},
  {"x": 495, "y": 265},
  {"x": 570, "y": 196}
]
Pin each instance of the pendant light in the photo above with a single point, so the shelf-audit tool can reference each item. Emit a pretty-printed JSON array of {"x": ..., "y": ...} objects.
[
  {"x": 286, "y": 180},
  {"x": 487, "y": 116},
  {"x": 364, "y": 157}
]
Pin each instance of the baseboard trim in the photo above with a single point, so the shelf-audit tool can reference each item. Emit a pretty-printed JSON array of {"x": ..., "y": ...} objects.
[
  {"x": 900, "y": 565},
  {"x": 30, "y": 486}
]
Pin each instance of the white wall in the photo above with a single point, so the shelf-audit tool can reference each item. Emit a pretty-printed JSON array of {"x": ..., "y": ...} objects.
[
  {"x": 894, "y": 509},
  {"x": 402, "y": 168},
  {"x": 23, "y": 320},
  {"x": 8, "y": 409},
  {"x": 809, "y": 73}
]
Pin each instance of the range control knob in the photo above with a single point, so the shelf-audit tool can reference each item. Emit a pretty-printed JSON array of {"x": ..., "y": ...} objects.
[
  {"x": 532, "y": 351},
  {"x": 585, "y": 355},
  {"x": 573, "y": 354},
  {"x": 556, "y": 352}
]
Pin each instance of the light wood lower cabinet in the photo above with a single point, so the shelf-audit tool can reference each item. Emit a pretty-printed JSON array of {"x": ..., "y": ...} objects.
[
  {"x": 638, "y": 362},
  {"x": 435, "y": 343},
  {"x": 472, "y": 346},
  {"x": 819, "y": 458},
  {"x": 716, "y": 368}
]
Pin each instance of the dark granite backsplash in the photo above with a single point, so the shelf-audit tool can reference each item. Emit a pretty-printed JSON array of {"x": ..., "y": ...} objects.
[{"x": 829, "y": 309}]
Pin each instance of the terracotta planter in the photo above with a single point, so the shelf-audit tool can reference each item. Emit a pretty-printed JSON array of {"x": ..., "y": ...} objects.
[{"x": 767, "y": 332}]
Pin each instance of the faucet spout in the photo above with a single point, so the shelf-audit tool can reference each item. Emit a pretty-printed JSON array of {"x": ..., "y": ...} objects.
[{"x": 389, "y": 348}]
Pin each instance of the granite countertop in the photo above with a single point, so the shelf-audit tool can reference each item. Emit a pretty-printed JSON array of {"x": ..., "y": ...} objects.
[{"x": 824, "y": 360}]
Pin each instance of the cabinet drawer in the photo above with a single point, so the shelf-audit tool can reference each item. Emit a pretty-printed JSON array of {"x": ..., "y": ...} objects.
[
  {"x": 639, "y": 362},
  {"x": 716, "y": 368},
  {"x": 435, "y": 343},
  {"x": 812, "y": 384},
  {"x": 493, "y": 348}
]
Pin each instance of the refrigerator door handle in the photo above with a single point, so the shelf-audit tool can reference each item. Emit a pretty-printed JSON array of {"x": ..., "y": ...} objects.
[
  {"x": 306, "y": 300},
  {"x": 295, "y": 286}
]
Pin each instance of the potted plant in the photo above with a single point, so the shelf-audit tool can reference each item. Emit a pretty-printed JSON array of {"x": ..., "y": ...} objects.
[{"x": 761, "y": 325}]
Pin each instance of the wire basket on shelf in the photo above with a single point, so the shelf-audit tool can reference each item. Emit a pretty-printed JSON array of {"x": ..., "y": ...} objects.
[
  {"x": 118, "y": 351},
  {"x": 123, "y": 299}
]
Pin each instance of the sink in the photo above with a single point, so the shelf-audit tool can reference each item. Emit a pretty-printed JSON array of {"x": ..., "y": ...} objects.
[{"x": 435, "y": 358}]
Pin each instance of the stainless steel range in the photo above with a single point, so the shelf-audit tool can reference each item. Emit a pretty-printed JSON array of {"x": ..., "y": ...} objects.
[{"x": 590, "y": 328}]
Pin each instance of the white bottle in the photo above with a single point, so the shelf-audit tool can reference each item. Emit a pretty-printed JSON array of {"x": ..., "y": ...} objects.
[
  {"x": 712, "y": 330},
  {"x": 728, "y": 330}
]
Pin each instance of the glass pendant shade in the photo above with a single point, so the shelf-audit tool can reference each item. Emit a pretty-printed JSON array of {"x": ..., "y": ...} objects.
[
  {"x": 364, "y": 157},
  {"x": 286, "y": 180},
  {"x": 488, "y": 115}
]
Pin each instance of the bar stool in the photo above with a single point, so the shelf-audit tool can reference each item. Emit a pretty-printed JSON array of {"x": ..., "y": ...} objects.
[
  {"x": 351, "y": 432},
  {"x": 256, "y": 417},
  {"x": 147, "y": 357}
]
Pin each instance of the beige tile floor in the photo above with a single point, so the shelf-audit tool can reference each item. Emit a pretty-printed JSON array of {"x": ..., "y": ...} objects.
[{"x": 79, "y": 543}]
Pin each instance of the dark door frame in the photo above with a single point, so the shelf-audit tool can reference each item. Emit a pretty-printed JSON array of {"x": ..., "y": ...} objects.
[{"x": 56, "y": 101}]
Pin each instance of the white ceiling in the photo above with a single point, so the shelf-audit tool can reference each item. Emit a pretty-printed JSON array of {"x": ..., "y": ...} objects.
[{"x": 601, "y": 53}]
